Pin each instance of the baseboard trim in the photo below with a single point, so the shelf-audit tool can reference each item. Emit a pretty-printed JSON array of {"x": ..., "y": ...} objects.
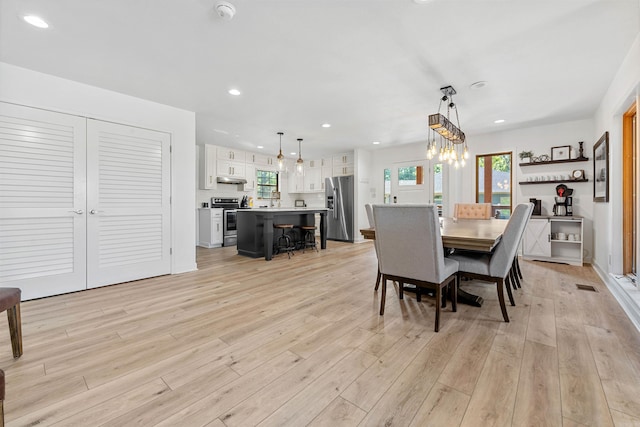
[{"x": 622, "y": 294}]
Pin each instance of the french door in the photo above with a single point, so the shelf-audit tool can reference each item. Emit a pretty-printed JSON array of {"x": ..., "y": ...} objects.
[
  {"x": 419, "y": 181},
  {"x": 83, "y": 203}
]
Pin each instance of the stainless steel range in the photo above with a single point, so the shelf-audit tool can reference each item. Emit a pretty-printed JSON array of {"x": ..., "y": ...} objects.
[{"x": 230, "y": 206}]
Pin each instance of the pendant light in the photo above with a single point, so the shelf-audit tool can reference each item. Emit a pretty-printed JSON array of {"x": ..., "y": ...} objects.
[
  {"x": 280, "y": 156},
  {"x": 299, "y": 162}
]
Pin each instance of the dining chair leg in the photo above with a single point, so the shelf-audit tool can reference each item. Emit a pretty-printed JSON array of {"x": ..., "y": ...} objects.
[
  {"x": 15, "y": 329},
  {"x": 500, "y": 284},
  {"x": 378, "y": 279},
  {"x": 515, "y": 272},
  {"x": 508, "y": 283},
  {"x": 518, "y": 268},
  {"x": 453, "y": 291},
  {"x": 384, "y": 294},
  {"x": 401, "y": 290},
  {"x": 438, "y": 297},
  {"x": 418, "y": 294}
]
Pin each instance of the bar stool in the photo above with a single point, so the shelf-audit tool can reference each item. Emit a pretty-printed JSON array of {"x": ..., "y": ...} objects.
[
  {"x": 309, "y": 237},
  {"x": 284, "y": 242}
]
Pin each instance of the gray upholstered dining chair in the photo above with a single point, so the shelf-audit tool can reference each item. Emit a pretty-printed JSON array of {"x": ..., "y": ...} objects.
[
  {"x": 495, "y": 267},
  {"x": 372, "y": 224},
  {"x": 410, "y": 250},
  {"x": 516, "y": 273}
]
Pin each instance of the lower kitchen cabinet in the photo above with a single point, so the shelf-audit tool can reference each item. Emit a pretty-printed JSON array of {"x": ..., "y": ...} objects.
[
  {"x": 210, "y": 227},
  {"x": 554, "y": 238}
]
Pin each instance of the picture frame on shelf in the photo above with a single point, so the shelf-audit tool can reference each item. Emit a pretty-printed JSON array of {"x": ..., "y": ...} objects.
[
  {"x": 562, "y": 152},
  {"x": 601, "y": 169}
]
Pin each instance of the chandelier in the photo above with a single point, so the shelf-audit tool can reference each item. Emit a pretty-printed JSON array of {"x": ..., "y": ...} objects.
[{"x": 451, "y": 146}]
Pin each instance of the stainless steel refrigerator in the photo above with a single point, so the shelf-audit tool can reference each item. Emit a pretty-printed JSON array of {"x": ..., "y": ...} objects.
[{"x": 339, "y": 201}]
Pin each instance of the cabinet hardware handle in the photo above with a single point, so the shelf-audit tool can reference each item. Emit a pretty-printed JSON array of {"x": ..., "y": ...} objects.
[
  {"x": 77, "y": 211},
  {"x": 93, "y": 211}
]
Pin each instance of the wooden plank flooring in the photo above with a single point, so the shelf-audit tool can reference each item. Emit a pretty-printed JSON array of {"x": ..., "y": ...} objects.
[{"x": 297, "y": 342}]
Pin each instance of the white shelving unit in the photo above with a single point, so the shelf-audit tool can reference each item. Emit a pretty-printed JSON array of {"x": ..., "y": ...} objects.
[{"x": 542, "y": 239}]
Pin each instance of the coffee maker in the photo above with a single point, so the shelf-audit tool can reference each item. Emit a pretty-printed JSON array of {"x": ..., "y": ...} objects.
[{"x": 563, "y": 201}]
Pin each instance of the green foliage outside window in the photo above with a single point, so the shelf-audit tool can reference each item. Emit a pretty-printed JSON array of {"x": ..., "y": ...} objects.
[{"x": 267, "y": 183}]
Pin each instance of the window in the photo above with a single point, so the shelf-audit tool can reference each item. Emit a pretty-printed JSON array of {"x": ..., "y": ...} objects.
[
  {"x": 411, "y": 175},
  {"x": 493, "y": 182},
  {"x": 387, "y": 186},
  {"x": 267, "y": 183}
]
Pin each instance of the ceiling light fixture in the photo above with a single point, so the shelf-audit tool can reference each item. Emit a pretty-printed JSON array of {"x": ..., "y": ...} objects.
[
  {"x": 225, "y": 10},
  {"x": 234, "y": 92},
  {"x": 36, "y": 21},
  {"x": 280, "y": 156},
  {"x": 376, "y": 142},
  {"x": 260, "y": 146},
  {"x": 299, "y": 162},
  {"x": 453, "y": 144},
  {"x": 498, "y": 121},
  {"x": 478, "y": 85},
  {"x": 326, "y": 125}
]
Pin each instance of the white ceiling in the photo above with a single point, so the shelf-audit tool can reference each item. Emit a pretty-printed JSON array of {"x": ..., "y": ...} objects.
[{"x": 370, "y": 68}]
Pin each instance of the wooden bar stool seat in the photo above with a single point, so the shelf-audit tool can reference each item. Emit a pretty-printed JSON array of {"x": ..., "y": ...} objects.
[
  {"x": 284, "y": 242},
  {"x": 10, "y": 301},
  {"x": 309, "y": 237}
]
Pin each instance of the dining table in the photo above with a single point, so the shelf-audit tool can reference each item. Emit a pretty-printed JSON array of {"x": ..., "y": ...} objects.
[{"x": 480, "y": 235}]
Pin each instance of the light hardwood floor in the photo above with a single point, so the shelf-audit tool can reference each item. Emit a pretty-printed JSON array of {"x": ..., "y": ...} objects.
[{"x": 299, "y": 342}]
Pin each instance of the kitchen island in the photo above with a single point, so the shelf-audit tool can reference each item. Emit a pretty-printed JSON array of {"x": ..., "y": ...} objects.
[{"x": 256, "y": 232}]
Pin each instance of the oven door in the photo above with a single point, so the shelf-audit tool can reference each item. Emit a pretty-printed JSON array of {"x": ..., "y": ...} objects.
[{"x": 230, "y": 227}]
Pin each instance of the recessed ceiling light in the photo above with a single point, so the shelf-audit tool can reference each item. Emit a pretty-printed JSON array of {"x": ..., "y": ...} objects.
[
  {"x": 326, "y": 125},
  {"x": 260, "y": 146},
  {"x": 498, "y": 121},
  {"x": 293, "y": 153},
  {"x": 478, "y": 85},
  {"x": 36, "y": 21},
  {"x": 421, "y": 1},
  {"x": 376, "y": 142},
  {"x": 234, "y": 92}
]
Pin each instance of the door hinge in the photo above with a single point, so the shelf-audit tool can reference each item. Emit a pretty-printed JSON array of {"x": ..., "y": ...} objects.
[
  {"x": 170, "y": 251},
  {"x": 170, "y": 148}
]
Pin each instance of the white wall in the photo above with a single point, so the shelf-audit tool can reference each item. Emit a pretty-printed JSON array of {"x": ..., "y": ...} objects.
[
  {"x": 365, "y": 191},
  {"x": 30, "y": 88},
  {"x": 619, "y": 97}
]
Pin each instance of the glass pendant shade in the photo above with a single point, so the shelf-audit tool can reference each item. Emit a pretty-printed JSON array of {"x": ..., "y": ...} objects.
[
  {"x": 299, "y": 162},
  {"x": 280, "y": 156}
]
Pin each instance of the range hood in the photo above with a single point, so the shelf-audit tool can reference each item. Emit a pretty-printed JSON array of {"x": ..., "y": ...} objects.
[{"x": 230, "y": 180}]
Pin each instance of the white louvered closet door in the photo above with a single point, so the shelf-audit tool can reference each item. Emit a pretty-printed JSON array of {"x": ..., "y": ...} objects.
[
  {"x": 42, "y": 201},
  {"x": 128, "y": 202}
]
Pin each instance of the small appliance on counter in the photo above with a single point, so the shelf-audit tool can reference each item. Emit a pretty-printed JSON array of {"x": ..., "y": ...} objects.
[
  {"x": 537, "y": 206},
  {"x": 564, "y": 202}
]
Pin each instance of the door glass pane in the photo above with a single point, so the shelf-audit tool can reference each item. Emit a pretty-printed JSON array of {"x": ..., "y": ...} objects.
[
  {"x": 387, "y": 186},
  {"x": 437, "y": 186},
  {"x": 411, "y": 175},
  {"x": 494, "y": 182}
]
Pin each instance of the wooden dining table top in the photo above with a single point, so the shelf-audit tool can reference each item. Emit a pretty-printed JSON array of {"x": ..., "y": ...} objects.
[{"x": 471, "y": 234}]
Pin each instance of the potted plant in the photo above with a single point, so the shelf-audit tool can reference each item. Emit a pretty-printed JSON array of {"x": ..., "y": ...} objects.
[{"x": 526, "y": 154}]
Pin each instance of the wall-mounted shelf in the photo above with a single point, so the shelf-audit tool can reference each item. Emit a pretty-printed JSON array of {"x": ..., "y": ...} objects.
[
  {"x": 553, "y": 162},
  {"x": 559, "y": 181}
]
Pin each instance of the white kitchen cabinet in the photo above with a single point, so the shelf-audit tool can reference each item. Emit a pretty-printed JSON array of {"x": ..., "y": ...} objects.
[
  {"x": 327, "y": 172},
  {"x": 210, "y": 227},
  {"x": 231, "y": 154},
  {"x": 343, "y": 159},
  {"x": 250, "y": 175},
  {"x": 313, "y": 180},
  {"x": 231, "y": 168},
  {"x": 295, "y": 182},
  {"x": 556, "y": 239},
  {"x": 343, "y": 170},
  {"x": 261, "y": 160},
  {"x": 208, "y": 167},
  {"x": 318, "y": 163}
]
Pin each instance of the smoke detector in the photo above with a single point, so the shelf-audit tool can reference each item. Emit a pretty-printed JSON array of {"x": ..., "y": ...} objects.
[{"x": 226, "y": 10}]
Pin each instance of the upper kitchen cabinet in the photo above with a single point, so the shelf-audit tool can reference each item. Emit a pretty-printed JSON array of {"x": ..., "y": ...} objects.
[
  {"x": 234, "y": 169},
  {"x": 231, "y": 154},
  {"x": 318, "y": 163},
  {"x": 250, "y": 175},
  {"x": 313, "y": 181},
  {"x": 208, "y": 168},
  {"x": 343, "y": 164},
  {"x": 262, "y": 160}
]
